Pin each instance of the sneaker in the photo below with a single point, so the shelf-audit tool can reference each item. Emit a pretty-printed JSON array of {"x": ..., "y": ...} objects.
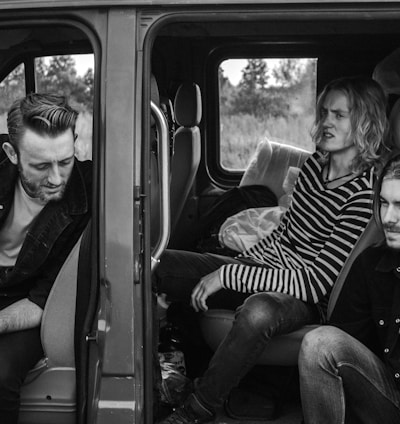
[{"x": 191, "y": 412}]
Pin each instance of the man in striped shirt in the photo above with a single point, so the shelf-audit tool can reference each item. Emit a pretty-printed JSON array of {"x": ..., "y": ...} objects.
[{"x": 280, "y": 284}]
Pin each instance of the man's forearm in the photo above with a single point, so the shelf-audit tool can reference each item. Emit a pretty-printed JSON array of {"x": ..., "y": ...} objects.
[{"x": 21, "y": 315}]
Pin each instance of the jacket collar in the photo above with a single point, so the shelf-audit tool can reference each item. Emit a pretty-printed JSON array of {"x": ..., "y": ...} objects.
[
  {"x": 75, "y": 197},
  {"x": 389, "y": 261},
  {"x": 8, "y": 175}
]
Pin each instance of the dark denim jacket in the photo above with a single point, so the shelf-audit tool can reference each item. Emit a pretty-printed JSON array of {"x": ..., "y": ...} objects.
[
  {"x": 51, "y": 237},
  {"x": 369, "y": 305}
]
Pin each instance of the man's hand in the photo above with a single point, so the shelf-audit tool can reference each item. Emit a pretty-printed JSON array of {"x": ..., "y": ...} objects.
[{"x": 208, "y": 285}]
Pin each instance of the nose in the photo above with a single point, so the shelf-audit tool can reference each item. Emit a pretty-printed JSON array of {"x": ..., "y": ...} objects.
[
  {"x": 389, "y": 216},
  {"x": 54, "y": 177},
  {"x": 327, "y": 121}
]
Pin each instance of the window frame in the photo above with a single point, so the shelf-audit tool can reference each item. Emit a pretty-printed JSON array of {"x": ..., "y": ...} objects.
[{"x": 220, "y": 176}]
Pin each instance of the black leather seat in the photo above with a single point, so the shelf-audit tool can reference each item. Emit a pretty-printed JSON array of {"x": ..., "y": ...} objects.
[{"x": 187, "y": 147}]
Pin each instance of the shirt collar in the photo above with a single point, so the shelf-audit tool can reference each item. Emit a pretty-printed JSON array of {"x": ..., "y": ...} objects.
[{"x": 389, "y": 261}]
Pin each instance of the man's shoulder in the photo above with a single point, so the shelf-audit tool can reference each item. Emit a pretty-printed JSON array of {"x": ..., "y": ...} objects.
[
  {"x": 84, "y": 165},
  {"x": 79, "y": 191},
  {"x": 371, "y": 256},
  {"x": 85, "y": 169}
]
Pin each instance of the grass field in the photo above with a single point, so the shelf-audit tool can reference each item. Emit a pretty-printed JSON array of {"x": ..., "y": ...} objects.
[{"x": 241, "y": 134}]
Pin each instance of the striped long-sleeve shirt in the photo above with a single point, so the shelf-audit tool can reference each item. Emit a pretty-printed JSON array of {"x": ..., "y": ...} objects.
[{"x": 305, "y": 254}]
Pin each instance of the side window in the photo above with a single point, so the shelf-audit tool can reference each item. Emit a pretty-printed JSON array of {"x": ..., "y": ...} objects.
[
  {"x": 11, "y": 88},
  {"x": 258, "y": 98},
  {"x": 73, "y": 76}
]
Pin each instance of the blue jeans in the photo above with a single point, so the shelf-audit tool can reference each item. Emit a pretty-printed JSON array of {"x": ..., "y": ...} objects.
[
  {"x": 342, "y": 381},
  {"x": 259, "y": 317}
]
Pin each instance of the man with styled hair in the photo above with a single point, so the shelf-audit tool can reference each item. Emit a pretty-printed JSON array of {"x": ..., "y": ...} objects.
[
  {"x": 350, "y": 371},
  {"x": 45, "y": 205}
]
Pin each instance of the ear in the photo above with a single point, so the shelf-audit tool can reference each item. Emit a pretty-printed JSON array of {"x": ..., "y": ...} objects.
[{"x": 10, "y": 152}]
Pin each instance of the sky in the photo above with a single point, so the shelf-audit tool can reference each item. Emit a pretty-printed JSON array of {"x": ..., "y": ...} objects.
[
  {"x": 83, "y": 62},
  {"x": 232, "y": 68}
]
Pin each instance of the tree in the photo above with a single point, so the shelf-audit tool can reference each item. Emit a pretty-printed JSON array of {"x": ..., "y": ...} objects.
[
  {"x": 287, "y": 73},
  {"x": 227, "y": 93},
  {"x": 251, "y": 88},
  {"x": 60, "y": 76},
  {"x": 254, "y": 76},
  {"x": 12, "y": 88},
  {"x": 254, "y": 96}
]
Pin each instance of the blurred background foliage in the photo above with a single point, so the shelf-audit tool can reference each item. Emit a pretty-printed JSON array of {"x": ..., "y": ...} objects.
[
  {"x": 55, "y": 74},
  {"x": 277, "y": 102}
]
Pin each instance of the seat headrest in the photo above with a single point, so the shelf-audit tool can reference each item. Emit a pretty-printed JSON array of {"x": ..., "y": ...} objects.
[{"x": 187, "y": 105}]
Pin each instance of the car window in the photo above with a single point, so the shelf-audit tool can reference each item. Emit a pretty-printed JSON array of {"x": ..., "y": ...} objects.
[
  {"x": 258, "y": 98},
  {"x": 73, "y": 76},
  {"x": 11, "y": 88}
]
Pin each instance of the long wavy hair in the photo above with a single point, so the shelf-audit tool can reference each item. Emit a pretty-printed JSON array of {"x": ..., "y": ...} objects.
[
  {"x": 390, "y": 170},
  {"x": 45, "y": 114},
  {"x": 369, "y": 123}
]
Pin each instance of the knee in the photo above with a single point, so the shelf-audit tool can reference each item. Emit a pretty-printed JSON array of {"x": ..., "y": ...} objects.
[
  {"x": 260, "y": 312},
  {"x": 320, "y": 345}
]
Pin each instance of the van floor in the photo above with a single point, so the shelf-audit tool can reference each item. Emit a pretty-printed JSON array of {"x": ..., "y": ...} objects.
[
  {"x": 289, "y": 414},
  {"x": 252, "y": 402}
]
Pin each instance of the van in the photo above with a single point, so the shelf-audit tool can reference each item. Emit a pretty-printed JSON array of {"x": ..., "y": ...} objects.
[{"x": 166, "y": 117}]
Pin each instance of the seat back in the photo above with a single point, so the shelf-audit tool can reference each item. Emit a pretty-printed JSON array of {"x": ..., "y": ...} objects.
[
  {"x": 187, "y": 146},
  {"x": 168, "y": 110},
  {"x": 49, "y": 392},
  {"x": 371, "y": 235},
  {"x": 58, "y": 321},
  {"x": 270, "y": 165}
]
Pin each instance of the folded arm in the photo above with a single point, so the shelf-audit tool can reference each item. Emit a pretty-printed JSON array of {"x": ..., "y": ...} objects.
[
  {"x": 310, "y": 281},
  {"x": 21, "y": 315}
]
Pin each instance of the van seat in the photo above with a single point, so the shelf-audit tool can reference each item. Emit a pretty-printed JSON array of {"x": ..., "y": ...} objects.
[
  {"x": 187, "y": 146},
  {"x": 270, "y": 164},
  {"x": 284, "y": 349},
  {"x": 48, "y": 394}
]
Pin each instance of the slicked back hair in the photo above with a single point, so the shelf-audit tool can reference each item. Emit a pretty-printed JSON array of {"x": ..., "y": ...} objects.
[{"x": 42, "y": 113}]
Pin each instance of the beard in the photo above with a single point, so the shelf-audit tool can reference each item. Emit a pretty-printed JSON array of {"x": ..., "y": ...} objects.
[{"x": 38, "y": 189}]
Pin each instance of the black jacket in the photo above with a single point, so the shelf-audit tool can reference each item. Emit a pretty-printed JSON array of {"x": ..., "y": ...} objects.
[
  {"x": 51, "y": 237},
  {"x": 369, "y": 305}
]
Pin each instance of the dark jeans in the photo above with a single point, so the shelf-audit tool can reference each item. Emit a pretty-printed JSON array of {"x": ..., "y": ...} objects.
[
  {"x": 259, "y": 317},
  {"x": 342, "y": 381},
  {"x": 19, "y": 352},
  {"x": 179, "y": 272}
]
